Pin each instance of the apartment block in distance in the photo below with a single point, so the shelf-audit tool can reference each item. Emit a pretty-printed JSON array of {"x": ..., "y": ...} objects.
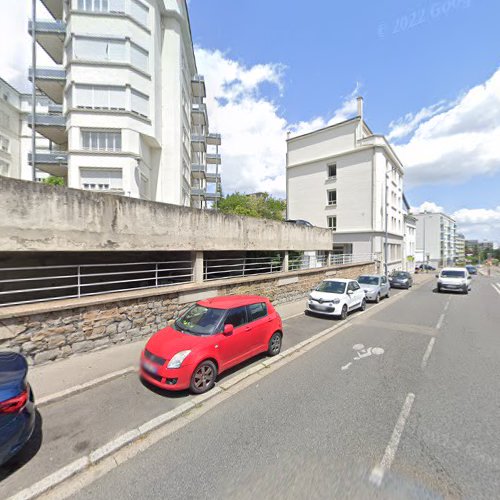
[
  {"x": 460, "y": 247},
  {"x": 128, "y": 112},
  {"x": 348, "y": 179},
  {"x": 436, "y": 234}
]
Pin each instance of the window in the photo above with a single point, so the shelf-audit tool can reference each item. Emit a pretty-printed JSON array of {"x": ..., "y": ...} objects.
[
  {"x": 332, "y": 222},
  {"x": 139, "y": 57},
  {"x": 99, "y": 49},
  {"x": 99, "y": 140},
  {"x": 4, "y": 168},
  {"x": 100, "y": 97},
  {"x": 101, "y": 179},
  {"x": 236, "y": 317},
  {"x": 4, "y": 143},
  {"x": 332, "y": 171},
  {"x": 139, "y": 12},
  {"x": 140, "y": 103},
  {"x": 355, "y": 286},
  {"x": 256, "y": 311},
  {"x": 332, "y": 198},
  {"x": 4, "y": 119}
]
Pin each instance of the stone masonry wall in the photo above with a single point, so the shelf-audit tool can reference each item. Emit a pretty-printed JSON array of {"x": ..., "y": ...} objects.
[{"x": 59, "y": 334}]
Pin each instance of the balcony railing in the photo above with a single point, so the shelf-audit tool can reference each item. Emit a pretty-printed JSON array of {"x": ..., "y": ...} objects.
[
  {"x": 198, "y": 143},
  {"x": 48, "y": 26},
  {"x": 55, "y": 73},
  {"x": 198, "y": 192},
  {"x": 50, "y": 35},
  {"x": 214, "y": 139},
  {"x": 213, "y": 177},
  {"x": 50, "y": 158},
  {"x": 198, "y": 86},
  {"x": 198, "y": 171},
  {"x": 213, "y": 158},
  {"x": 48, "y": 120},
  {"x": 50, "y": 81}
]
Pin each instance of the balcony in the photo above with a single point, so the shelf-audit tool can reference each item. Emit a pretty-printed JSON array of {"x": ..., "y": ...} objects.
[
  {"x": 198, "y": 171},
  {"x": 213, "y": 159},
  {"x": 198, "y": 192},
  {"x": 51, "y": 126},
  {"x": 199, "y": 114},
  {"x": 50, "y": 36},
  {"x": 212, "y": 196},
  {"x": 55, "y": 7},
  {"x": 214, "y": 139},
  {"x": 50, "y": 81},
  {"x": 198, "y": 143},
  {"x": 213, "y": 177},
  {"x": 198, "y": 86},
  {"x": 52, "y": 162}
]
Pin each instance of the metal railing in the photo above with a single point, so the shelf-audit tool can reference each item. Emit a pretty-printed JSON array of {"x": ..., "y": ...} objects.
[
  {"x": 22, "y": 285},
  {"x": 238, "y": 267}
]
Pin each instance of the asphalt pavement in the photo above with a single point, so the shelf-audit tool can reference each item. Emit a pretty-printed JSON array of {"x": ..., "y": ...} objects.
[
  {"x": 401, "y": 404},
  {"x": 74, "y": 426}
]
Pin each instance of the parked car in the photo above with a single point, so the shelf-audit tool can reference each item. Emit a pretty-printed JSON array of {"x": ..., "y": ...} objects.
[
  {"x": 300, "y": 222},
  {"x": 401, "y": 279},
  {"x": 336, "y": 297},
  {"x": 376, "y": 286},
  {"x": 425, "y": 267},
  {"x": 212, "y": 336},
  {"x": 17, "y": 407},
  {"x": 454, "y": 278},
  {"x": 472, "y": 269}
]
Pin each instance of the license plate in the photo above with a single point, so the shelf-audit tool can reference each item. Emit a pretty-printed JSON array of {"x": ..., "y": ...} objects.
[
  {"x": 321, "y": 308},
  {"x": 149, "y": 367}
]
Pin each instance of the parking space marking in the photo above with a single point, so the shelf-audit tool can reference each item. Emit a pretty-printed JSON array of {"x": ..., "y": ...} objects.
[
  {"x": 496, "y": 287},
  {"x": 447, "y": 304},
  {"x": 440, "y": 322},
  {"x": 428, "y": 352},
  {"x": 378, "y": 472}
]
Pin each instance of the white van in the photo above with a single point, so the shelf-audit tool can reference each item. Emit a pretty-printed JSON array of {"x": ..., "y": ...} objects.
[{"x": 454, "y": 278}]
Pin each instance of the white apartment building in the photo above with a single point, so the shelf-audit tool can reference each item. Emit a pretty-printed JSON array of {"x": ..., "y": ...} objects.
[
  {"x": 410, "y": 238},
  {"x": 460, "y": 247},
  {"x": 436, "y": 235},
  {"x": 127, "y": 110},
  {"x": 349, "y": 179}
]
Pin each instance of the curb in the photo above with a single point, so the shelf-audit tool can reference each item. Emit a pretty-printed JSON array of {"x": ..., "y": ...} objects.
[{"x": 140, "y": 432}]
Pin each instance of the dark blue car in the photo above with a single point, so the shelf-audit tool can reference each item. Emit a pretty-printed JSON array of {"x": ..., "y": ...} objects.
[{"x": 17, "y": 406}]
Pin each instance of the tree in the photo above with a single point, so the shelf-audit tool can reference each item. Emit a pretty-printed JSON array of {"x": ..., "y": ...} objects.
[
  {"x": 260, "y": 205},
  {"x": 54, "y": 181}
]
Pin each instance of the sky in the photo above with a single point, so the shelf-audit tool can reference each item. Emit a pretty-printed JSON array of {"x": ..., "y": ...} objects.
[{"x": 429, "y": 72}]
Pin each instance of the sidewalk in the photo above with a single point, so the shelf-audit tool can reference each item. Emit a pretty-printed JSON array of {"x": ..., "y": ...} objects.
[{"x": 53, "y": 378}]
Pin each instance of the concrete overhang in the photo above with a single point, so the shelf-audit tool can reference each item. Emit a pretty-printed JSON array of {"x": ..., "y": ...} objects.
[
  {"x": 50, "y": 36},
  {"x": 77, "y": 220},
  {"x": 50, "y": 81},
  {"x": 55, "y": 7}
]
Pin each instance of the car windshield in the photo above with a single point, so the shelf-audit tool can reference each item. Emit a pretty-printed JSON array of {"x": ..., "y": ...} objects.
[
  {"x": 400, "y": 275},
  {"x": 199, "y": 320},
  {"x": 331, "y": 287},
  {"x": 368, "y": 280},
  {"x": 452, "y": 274}
]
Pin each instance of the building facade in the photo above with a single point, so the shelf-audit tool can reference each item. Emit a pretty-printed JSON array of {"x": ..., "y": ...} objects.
[
  {"x": 348, "y": 179},
  {"x": 460, "y": 247},
  {"x": 409, "y": 238},
  {"x": 126, "y": 112},
  {"x": 436, "y": 239}
]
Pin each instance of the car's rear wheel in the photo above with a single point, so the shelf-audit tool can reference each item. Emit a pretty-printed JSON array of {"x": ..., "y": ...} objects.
[
  {"x": 363, "y": 305},
  {"x": 388, "y": 293},
  {"x": 343, "y": 314},
  {"x": 274, "y": 346},
  {"x": 203, "y": 377}
]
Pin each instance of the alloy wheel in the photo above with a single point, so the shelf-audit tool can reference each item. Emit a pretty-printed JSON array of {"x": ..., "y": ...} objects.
[{"x": 203, "y": 377}]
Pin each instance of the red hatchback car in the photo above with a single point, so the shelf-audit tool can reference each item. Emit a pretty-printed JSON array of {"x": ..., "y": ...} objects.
[{"x": 212, "y": 336}]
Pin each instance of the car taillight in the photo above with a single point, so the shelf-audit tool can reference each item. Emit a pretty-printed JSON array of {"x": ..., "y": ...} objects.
[{"x": 15, "y": 404}]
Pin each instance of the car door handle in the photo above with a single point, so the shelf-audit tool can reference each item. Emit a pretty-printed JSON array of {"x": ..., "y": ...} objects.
[{"x": 247, "y": 329}]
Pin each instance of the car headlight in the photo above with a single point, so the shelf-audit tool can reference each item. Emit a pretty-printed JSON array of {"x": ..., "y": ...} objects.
[
  {"x": 177, "y": 360},
  {"x": 336, "y": 301}
]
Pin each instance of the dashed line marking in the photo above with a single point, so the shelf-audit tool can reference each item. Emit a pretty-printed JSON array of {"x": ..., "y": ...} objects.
[
  {"x": 440, "y": 322},
  {"x": 428, "y": 352}
]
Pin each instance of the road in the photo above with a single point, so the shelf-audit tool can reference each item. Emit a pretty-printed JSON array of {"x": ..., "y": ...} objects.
[
  {"x": 72, "y": 428},
  {"x": 418, "y": 420}
]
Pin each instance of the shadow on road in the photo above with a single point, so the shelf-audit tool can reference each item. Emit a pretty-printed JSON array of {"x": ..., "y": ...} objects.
[{"x": 27, "y": 453}]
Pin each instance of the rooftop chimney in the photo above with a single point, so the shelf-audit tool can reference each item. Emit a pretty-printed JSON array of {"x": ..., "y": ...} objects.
[{"x": 360, "y": 107}]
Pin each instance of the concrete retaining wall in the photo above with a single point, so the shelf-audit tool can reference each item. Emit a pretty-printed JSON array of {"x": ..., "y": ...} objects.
[
  {"x": 38, "y": 217},
  {"x": 59, "y": 329}
]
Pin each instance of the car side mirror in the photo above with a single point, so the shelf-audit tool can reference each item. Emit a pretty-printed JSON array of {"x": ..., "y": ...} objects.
[
  {"x": 349, "y": 292},
  {"x": 228, "y": 330}
]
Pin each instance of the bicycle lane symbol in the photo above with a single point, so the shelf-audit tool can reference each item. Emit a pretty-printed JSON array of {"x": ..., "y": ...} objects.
[{"x": 363, "y": 352}]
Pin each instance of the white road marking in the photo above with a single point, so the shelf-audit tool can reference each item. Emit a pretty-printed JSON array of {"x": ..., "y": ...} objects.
[
  {"x": 447, "y": 304},
  {"x": 440, "y": 322},
  {"x": 345, "y": 367},
  {"x": 363, "y": 352},
  {"x": 496, "y": 287},
  {"x": 428, "y": 352},
  {"x": 378, "y": 472}
]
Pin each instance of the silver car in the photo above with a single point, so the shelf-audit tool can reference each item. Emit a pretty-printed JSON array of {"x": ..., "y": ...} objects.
[{"x": 376, "y": 286}]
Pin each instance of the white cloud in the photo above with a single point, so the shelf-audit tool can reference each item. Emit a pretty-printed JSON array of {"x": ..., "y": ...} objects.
[
  {"x": 479, "y": 223},
  {"x": 453, "y": 142},
  {"x": 15, "y": 49},
  {"x": 252, "y": 127},
  {"x": 427, "y": 206}
]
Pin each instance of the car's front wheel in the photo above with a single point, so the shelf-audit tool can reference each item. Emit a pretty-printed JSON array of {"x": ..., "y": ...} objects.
[
  {"x": 343, "y": 314},
  {"x": 377, "y": 298},
  {"x": 388, "y": 293},
  {"x": 203, "y": 377},
  {"x": 466, "y": 290},
  {"x": 363, "y": 305},
  {"x": 274, "y": 347}
]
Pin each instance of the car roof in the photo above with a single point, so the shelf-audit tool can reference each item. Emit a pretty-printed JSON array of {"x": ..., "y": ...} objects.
[
  {"x": 371, "y": 275},
  {"x": 230, "y": 301},
  {"x": 453, "y": 269},
  {"x": 342, "y": 280}
]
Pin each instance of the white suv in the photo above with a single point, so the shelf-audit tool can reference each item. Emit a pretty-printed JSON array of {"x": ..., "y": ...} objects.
[
  {"x": 454, "y": 278},
  {"x": 336, "y": 297}
]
